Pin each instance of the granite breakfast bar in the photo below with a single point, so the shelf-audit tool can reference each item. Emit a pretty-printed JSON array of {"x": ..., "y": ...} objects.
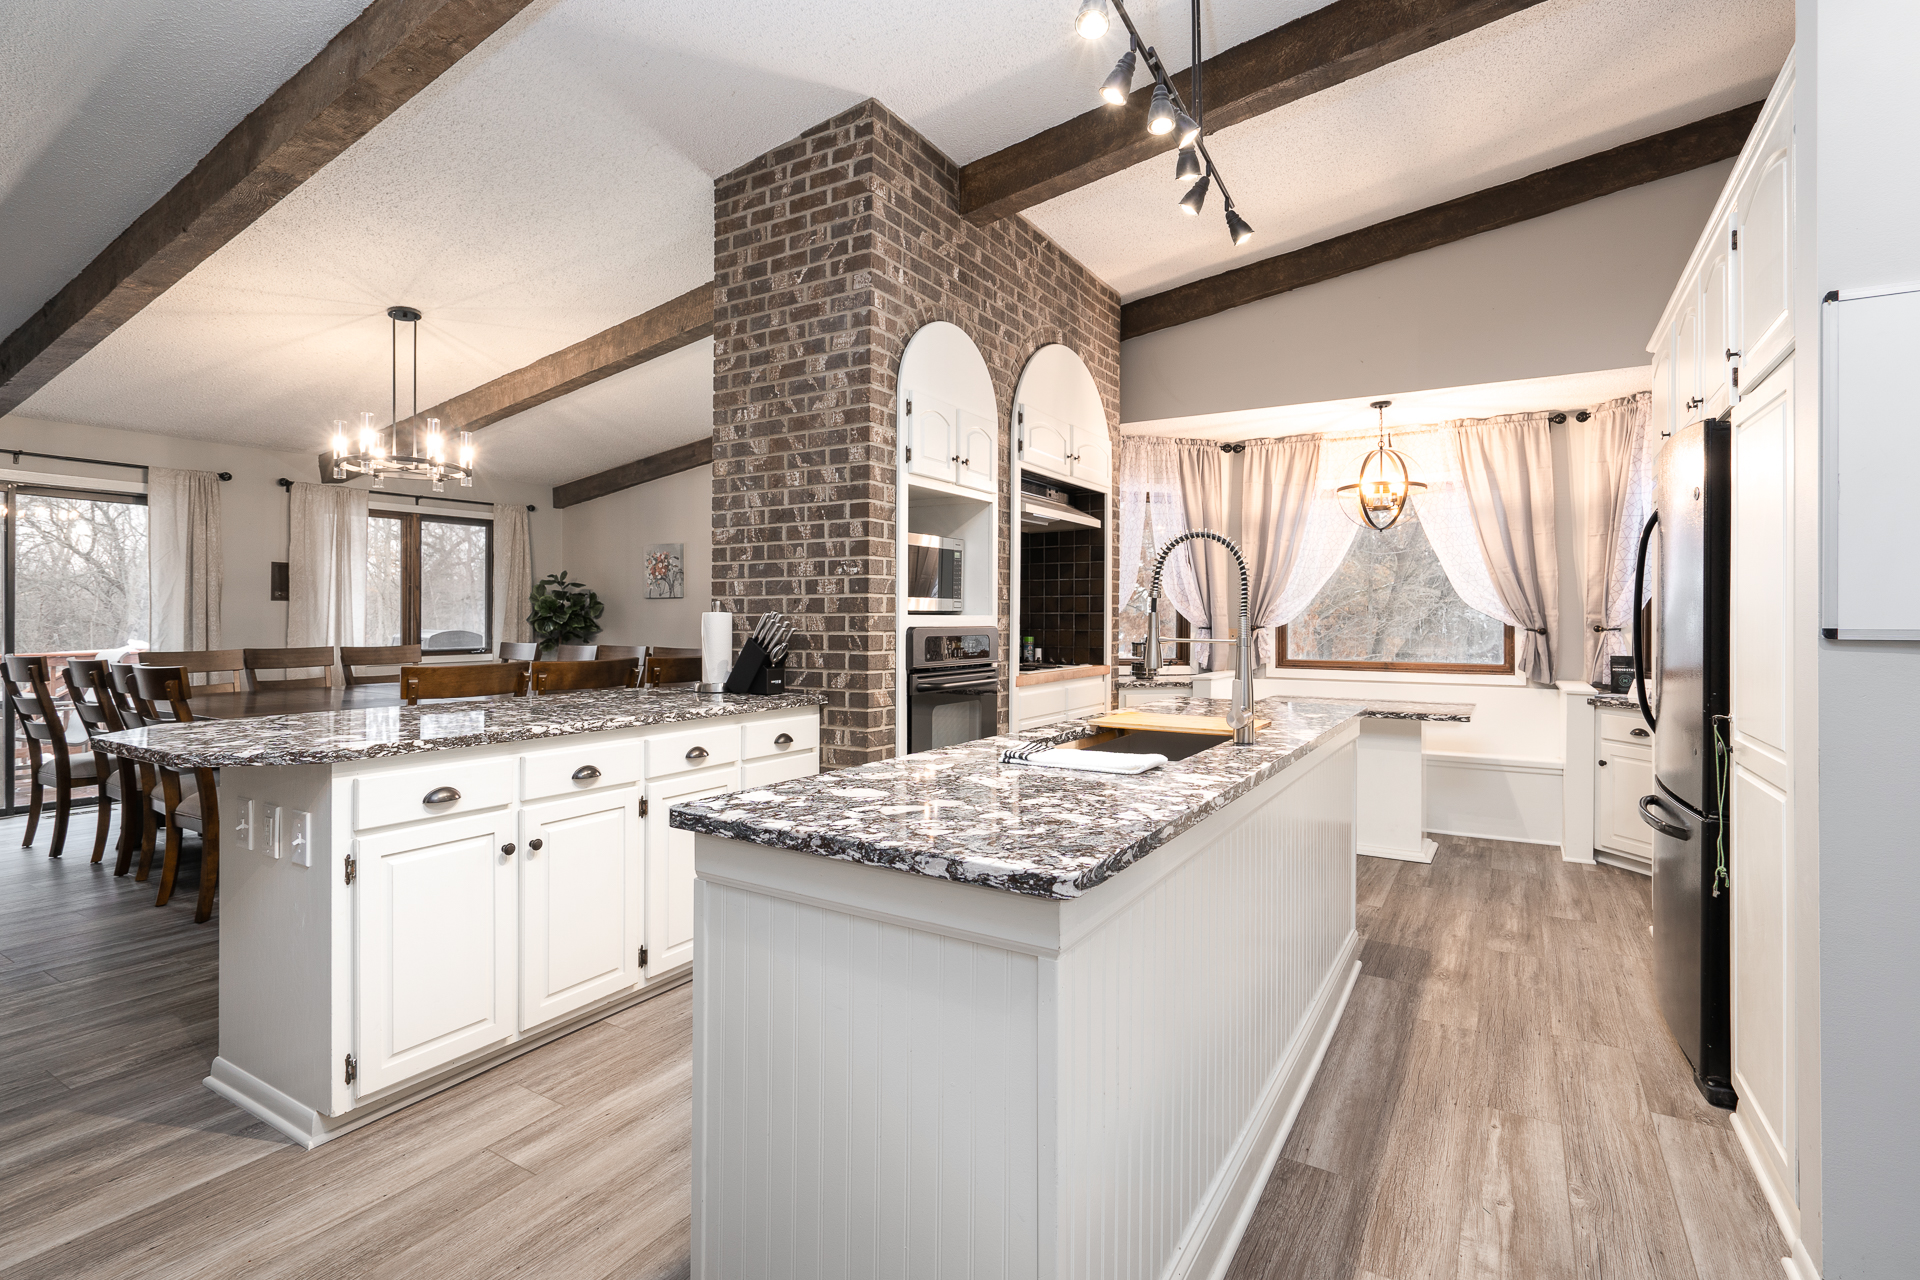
[
  {"x": 1066, "y": 1042},
  {"x": 408, "y": 895}
]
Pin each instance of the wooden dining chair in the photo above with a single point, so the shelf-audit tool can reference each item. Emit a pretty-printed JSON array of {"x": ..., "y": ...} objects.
[
  {"x": 114, "y": 775},
  {"x": 319, "y": 657},
  {"x": 352, "y": 658},
  {"x": 163, "y": 694},
  {"x": 54, "y": 763},
  {"x": 577, "y": 652},
  {"x": 605, "y": 651},
  {"x": 462, "y": 680},
  {"x": 671, "y": 666},
  {"x": 142, "y": 801},
  {"x": 205, "y": 663},
  {"x": 518, "y": 651},
  {"x": 614, "y": 673}
]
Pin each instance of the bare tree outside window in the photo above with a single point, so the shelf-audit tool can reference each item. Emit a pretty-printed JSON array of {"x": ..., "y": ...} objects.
[
  {"x": 454, "y": 575},
  {"x": 385, "y": 623},
  {"x": 80, "y": 574},
  {"x": 1390, "y": 602}
]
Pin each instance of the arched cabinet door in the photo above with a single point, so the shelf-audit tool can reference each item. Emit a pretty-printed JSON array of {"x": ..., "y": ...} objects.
[
  {"x": 1046, "y": 444},
  {"x": 932, "y": 437},
  {"x": 977, "y": 451}
]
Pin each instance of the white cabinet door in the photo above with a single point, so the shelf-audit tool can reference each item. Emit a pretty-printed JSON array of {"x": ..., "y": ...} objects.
[
  {"x": 670, "y": 865},
  {"x": 582, "y": 899},
  {"x": 979, "y": 450},
  {"x": 1716, "y": 331},
  {"x": 1687, "y": 396},
  {"x": 1092, "y": 456},
  {"x": 1662, "y": 410},
  {"x": 1625, "y": 775},
  {"x": 1047, "y": 443},
  {"x": 434, "y": 947},
  {"x": 932, "y": 437},
  {"x": 1765, "y": 212}
]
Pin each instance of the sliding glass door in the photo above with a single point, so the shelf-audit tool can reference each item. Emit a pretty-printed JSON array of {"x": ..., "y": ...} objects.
[{"x": 76, "y": 583}]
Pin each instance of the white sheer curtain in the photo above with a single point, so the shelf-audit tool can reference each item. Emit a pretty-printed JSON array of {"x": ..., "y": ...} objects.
[
  {"x": 1617, "y": 480},
  {"x": 512, "y": 573},
  {"x": 1447, "y": 519},
  {"x": 1279, "y": 490},
  {"x": 1151, "y": 475},
  {"x": 1506, "y": 468},
  {"x": 327, "y": 565},
  {"x": 184, "y": 568}
]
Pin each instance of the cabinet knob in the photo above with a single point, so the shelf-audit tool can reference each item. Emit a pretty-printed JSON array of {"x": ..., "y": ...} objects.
[
  {"x": 585, "y": 773},
  {"x": 441, "y": 795},
  {"x": 1638, "y": 733},
  {"x": 784, "y": 740},
  {"x": 1732, "y": 354},
  {"x": 507, "y": 849},
  {"x": 1603, "y": 764},
  {"x": 697, "y": 753},
  {"x": 533, "y": 845}
]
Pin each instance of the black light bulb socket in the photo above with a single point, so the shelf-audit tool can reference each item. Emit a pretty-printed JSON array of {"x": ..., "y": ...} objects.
[
  {"x": 1189, "y": 167},
  {"x": 1160, "y": 114},
  {"x": 1196, "y": 196},
  {"x": 1119, "y": 85},
  {"x": 1185, "y": 127},
  {"x": 1237, "y": 226}
]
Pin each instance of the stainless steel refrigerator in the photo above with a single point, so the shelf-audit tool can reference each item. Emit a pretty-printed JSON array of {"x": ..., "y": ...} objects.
[{"x": 1681, "y": 659}]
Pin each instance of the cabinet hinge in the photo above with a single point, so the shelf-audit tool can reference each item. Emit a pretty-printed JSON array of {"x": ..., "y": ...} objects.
[
  {"x": 909, "y": 453},
  {"x": 909, "y": 406},
  {"x": 643, "y": 806},
  {"x": 350, "y": 868},
  {"x": 352, "y": 1069},
  {"x": 1736, "y": 377},
  {"x": 643, "y": 957},
  {"x": 1736, "y": 239}
]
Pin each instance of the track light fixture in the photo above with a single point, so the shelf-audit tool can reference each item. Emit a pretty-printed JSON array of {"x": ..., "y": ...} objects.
[
  {"x": 1092, "y": 21},
  {"x": 1196, "y": 196},
  {"x": 1120, "y": 84},
  {"x": 1166, "y": 113}
]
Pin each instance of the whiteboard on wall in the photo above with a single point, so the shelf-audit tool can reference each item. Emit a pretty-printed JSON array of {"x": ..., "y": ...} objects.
[{"x": 1869, "y": 463}]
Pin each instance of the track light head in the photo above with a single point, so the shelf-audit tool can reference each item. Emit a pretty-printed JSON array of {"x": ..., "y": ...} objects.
[
  {"x": 1188, "y": 167},
  {"x": 1186, "y": 127},
  {"x": 1196, "y": 196},
  {"x": 1160, "y": 114},
  {"x": 1119, "y": 85},
  {"x": 1237, "y": 226},
  {"x": 1092, "y": 20}
]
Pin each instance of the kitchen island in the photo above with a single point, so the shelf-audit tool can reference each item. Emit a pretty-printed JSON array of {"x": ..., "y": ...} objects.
[
  {"x": 408, "y": 895},
  {"x": 963, "y": 1018}
]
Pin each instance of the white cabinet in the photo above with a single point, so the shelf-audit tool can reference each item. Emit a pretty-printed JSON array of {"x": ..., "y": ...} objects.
[
  {"x": 1762, "y": 210},
  {"x": 582, "y": 898},
  {"x": 977, "y": 453},
  {"x": 1688, "y": 399},
  {"x": 1043, "y": 704},
  {"x": 947, "y": 443},
  {"x": 434, "y": 946},
  {"x": 670, "y": 865},
  {"x": 1716, "y": 330},
  {"x": 1623, "y": 769},
  {"x": 1081, "y": 453}
]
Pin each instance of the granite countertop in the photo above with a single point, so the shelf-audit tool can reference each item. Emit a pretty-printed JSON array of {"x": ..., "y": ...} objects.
[
  {"x": 1379, "y": 709},
  {"x": 328, "y": 737},
  {"x": 958, "y": 814},
  {"x": 1618, "y": 701},
  {"x": 1132, "y": 682}
]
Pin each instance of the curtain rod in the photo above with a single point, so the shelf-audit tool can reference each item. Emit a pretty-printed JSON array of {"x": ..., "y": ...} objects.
[
  {"x": 287, "y": 484},
  {"x": 92, "y": 462}
]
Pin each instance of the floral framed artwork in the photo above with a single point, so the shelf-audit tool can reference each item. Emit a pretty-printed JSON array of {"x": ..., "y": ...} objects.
[{"x": 666, "y": 578}]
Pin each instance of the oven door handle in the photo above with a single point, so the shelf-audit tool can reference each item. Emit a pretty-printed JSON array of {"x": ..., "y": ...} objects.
[{"x": 956, "y": 684}]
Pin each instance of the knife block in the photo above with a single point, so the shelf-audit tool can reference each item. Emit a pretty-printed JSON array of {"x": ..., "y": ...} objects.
[{"x": 770, "y": 678}]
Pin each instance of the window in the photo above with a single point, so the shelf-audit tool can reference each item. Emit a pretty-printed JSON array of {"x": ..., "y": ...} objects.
[
  {"x": 430, "y": 581},
  {"x": 1390, "y": 607}
]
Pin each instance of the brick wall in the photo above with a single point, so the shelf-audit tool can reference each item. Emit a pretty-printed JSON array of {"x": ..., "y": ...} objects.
[{"x": 829, "y": 253}]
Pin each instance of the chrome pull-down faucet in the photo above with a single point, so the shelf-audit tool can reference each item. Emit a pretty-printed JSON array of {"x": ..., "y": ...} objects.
[{"x": 1240, "y": 719}]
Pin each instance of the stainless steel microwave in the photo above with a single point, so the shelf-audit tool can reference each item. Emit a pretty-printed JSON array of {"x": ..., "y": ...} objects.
[{"x": 933, "y": 574}]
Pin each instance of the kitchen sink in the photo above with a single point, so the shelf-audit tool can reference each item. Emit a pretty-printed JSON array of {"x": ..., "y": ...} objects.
[{"x": 1159, "y": 742}]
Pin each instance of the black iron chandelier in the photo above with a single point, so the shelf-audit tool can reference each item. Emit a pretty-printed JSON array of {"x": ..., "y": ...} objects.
[
  {"x": 1168, "y": 113},
  {"x": 1379, "y": 496},
  {"x": 416, "y": 451}
]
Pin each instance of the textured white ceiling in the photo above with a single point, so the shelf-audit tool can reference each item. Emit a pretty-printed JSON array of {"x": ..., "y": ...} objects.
[
  {"x": 1542, "y": 87},
  {"x": 558, "y": 180},
  {"x": 1409, "y": 408},
  {"x": 105, "y": 104}
]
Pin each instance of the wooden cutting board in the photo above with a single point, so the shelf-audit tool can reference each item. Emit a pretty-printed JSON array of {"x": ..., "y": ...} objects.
[{"x": 1163, "y": 723}]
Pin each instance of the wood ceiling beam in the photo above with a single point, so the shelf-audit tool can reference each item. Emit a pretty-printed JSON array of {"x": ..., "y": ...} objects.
[
  {"x": 614, "y": 479},
  {"x": 649, "y": 335},
  {"x": 1316, "y": 51},
  {"x": 377, "y": 62},
  {"x": 1662, "y": 155}
]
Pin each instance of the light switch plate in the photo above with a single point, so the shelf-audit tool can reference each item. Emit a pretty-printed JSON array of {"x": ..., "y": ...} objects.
[
  {"x": 298, "y": 826},
  {"x": 243, "y": 822},
  {"x": 269, "y": 831}
]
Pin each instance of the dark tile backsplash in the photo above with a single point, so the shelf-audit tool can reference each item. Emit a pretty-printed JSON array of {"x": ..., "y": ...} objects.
[{"x": 1063, "y": 586}]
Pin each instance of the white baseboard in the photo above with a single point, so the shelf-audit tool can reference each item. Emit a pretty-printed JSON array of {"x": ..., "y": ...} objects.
[
  {"x": 1217, "y": 1228},
  {"x": 1427, "y": 850},
  {"x": 1799, "y": 1263}
]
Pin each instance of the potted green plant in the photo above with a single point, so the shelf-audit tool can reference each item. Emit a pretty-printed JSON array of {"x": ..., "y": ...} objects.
[{"x": 564, "y": 612}]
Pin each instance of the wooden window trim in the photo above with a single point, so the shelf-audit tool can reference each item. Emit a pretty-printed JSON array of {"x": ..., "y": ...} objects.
[
  {"x": 410, "y": 522},
  {"x": 1504, "y": 668}
]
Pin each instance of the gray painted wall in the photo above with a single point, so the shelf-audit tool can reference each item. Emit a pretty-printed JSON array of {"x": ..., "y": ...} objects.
[
  {"x": 1858, "y": 131},
  {"x": 604, "y": 545},
  {"x": 1573, "y": 292}
]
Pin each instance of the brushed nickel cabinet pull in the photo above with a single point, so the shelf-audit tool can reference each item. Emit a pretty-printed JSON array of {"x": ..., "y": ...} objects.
[
  {"x": 441, "y": 795},
  {"x": 585, "y": 773},
  {"x": 784, "y": 740},
  {"x": 1638, "y": 733},
  {"x": 697, "y": 753}
]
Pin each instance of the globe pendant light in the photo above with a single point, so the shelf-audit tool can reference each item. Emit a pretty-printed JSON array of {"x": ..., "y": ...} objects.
[
  {"x": 1379, "y": 497},
  {"x": 411, "y": 451}
]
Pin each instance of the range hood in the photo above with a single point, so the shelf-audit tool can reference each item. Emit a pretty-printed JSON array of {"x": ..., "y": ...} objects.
[{"x": 1041, "y": 515}]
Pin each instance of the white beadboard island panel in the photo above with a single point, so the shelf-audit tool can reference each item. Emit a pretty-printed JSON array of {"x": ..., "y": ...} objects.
[{"x": 898, "y": 1076}]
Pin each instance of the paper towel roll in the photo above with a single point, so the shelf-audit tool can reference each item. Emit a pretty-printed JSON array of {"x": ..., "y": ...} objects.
[{"x": 716, "y": 647}]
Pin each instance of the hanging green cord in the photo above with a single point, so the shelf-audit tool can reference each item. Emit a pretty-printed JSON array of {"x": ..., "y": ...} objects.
[{"x": 1720, "y": 758}]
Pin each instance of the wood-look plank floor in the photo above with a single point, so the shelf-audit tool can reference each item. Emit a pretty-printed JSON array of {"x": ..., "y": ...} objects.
[{"x": 1501, "y": 1099}]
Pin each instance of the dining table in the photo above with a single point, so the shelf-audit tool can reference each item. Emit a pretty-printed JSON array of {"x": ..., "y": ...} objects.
[{"x": 247, "y": 703}]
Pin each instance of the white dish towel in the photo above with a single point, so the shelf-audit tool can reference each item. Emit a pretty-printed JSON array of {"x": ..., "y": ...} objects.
[{"x": 1093, "y": 761}]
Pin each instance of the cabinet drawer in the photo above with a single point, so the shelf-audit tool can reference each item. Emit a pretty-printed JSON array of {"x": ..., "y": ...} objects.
[
  {"x": 1626, "y": 728},
  {"x": 802, "y": 733},
  {"x": 690, "y": 749},
  {"x": 765, "y": 773},
  {"x": 1086, "y": 697},
  {"x": 1040, "y": 704},
  {"x": 382, "y": 799},
  {"x": 581, "y": 767}
]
